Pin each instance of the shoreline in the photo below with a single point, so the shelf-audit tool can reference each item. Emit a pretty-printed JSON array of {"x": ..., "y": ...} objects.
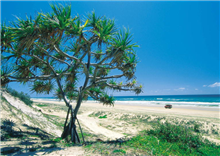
[
  {"x": 192, "y": 111},
  {"x": 199, "y": 105}
]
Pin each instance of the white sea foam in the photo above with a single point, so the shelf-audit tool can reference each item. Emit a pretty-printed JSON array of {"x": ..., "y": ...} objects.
[
  {"x": 214, "y": 104},
  {"x": 145, "y": 103},
  {"x": 45, "y": 99}
]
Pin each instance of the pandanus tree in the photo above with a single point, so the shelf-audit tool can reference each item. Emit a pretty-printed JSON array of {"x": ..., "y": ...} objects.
[{"x": 70, "y": 57}]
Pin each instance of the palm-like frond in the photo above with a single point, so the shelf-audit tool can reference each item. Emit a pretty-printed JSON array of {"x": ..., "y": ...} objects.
[
  {"x": 6, "y": 37},
  {"x": 93, "y": 20},
  {"x": 5, "y": 72},
  {"x": 138, "y": 89},
  {"x": 112, "y": 82},
  {"x": 72, "y": 76},
  {"x": 70, "y": 87},
  {"x": 102, "y": 71},
  {"x": 74, "y": 27},
  {"x": 98, "y": 55},
  {"x": 105, "y": 30},
  {"x": 37, "y": 46},
  {"x": 62, "y": 16},
  {"x": 129, "y": 74},
  {"x": 23, "y": 70},
  {"x": 58, "y": 94},
  {"x": 122, "y": 40},
  {"x": 106, "y": 99},
  {"x": 25, "y": 32},
  {"x": 95, "y": 91},
  {"x": 72, "y": 95},
  {"x": 42, "y": 87}
]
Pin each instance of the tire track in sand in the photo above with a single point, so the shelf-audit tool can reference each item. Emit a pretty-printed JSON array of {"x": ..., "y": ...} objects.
[{"x": 91, "y": 123}]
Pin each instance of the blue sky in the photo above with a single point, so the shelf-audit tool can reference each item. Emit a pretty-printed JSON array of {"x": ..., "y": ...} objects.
[{"x": 179, "y": 41}]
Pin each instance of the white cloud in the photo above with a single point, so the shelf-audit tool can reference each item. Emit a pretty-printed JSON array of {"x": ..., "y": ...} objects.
[
  {"x": 196, "y": 89},
  {"x": 204, "y": 85},
  {"x": 217, "y": 84},
  {"x": 180, "y": 89}
]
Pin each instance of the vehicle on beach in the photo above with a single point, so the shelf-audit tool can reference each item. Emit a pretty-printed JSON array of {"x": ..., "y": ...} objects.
[{"x": 168, "y": 106}]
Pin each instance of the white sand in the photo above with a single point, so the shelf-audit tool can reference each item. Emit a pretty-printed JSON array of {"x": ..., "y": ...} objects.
[
  {"x": 191, "y": 111},
  {"x": 49, "y": 127}
]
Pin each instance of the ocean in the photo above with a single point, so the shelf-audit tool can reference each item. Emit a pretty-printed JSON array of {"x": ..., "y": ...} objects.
[{"x": 181, "y": 100}]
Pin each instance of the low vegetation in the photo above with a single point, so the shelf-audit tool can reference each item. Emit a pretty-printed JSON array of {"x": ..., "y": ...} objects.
[
  {"x": 168, "y": 139},
  {"x": 21, "y": 95},
  {"x": 103, "y": 117},
  {"x": 164, "y": 139}
]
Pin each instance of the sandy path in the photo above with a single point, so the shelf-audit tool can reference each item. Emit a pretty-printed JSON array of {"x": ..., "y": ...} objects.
[{"x": 91, "y": 123}]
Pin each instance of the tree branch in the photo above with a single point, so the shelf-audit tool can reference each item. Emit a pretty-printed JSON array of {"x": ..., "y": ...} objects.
[
  {"x": 51, "y": 55},
  {"x": 65, "y": 54},
  {"x": 110, "y": 77},
  {"x": 36, "y": 77},
  {"x": 72, "y": 57}
]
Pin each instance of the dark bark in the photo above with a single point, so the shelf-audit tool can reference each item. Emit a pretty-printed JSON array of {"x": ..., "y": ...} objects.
[{"x": 70, "y": 129}]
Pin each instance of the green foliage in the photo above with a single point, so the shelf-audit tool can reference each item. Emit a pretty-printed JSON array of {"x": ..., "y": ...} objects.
[
  {"x": 53, "y": 50},
  {"x": 6, "y": 37},
  {"x": 123, "y": 40},
  {"x": 42, "y": 87},
  {"x": 58, "y": 94},
  {"x": 112, "y": 82},
  {"x": 4, "y": 79},
  {"x": 164, "y": 140},
  {"x": 173, "y": 133},
  {"x": 98, "y": 55},
  {"x": 91, "y": 70},
  {"x": 173, "y": 140},
  {"x": 119, "y": 151},
  {"x": 103, "y": 117},
  {"x": 196, "y": 127},
  {"x": 58, "y": 139},
  {"x": 21, "y": 95},
  {"x": 106, "y": 99},
  {"x": 72, "y": 96},
  {"x": 42, "y": 105},
  {"x": 102, "y": 71}
]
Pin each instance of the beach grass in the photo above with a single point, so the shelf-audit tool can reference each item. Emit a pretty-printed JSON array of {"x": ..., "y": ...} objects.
[{"x": 164, "y": 139}]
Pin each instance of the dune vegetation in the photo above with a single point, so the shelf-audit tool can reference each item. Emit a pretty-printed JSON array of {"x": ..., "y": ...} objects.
[{"x": 142, "y": 134}]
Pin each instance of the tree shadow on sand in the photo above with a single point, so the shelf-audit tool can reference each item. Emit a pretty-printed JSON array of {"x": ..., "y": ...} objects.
[
  {"x": 22, "y": 139},
  {"x": 28, "y": 140}
]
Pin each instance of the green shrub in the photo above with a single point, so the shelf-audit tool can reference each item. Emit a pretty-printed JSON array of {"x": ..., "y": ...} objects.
[
  {"x": 103, "y": 117},
  {"x": 58, "y": 139},
  {"x": 184, "y": 138},
  {"x": 42, "y": 105},
  {"x": 119, "y": 151},
  {"x": 173, "y": 133},
  {"x": 22, "y": 96},
  {"x": 196, "y": 127}
]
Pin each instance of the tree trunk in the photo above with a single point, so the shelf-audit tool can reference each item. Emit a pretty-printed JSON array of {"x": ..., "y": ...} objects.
[{"x": 70, "y": 129}]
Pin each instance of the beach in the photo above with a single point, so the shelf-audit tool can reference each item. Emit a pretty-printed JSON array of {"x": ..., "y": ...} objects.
[
  {"x": 132, "y": 118},
  {"x": 102, "y": 124},
  {"x": 186, "y": 111}
]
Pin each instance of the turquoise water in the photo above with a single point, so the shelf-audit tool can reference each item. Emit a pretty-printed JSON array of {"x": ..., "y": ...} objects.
[
  {"x": 190, "y": 100},
  {"x": 176, "y": 98}
]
